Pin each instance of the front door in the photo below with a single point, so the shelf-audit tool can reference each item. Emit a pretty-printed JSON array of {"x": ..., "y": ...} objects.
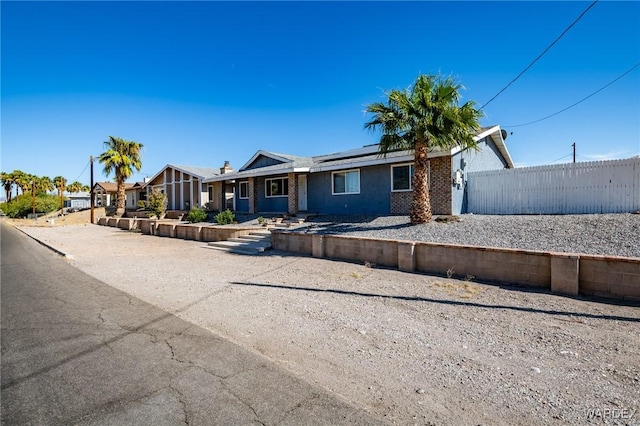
[{"x": 302, "y": 193}]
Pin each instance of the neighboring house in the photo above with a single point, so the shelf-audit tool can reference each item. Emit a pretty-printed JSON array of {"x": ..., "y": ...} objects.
[
  {"x": 105, "y": 193},
  {"x": 184, "y": 186},
  {"x": 78, "y": 200},
  {"x": 360, "y": 181},
  {"x": 135, "y": 193}
]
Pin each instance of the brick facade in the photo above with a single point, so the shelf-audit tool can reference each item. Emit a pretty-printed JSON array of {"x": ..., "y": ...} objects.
[
  {"x": 253, "y": 195},
  {"x": 440, "y": 185},
  {"x": 439, "y": 189},
  {"x": 401, "y": 202},
  {"x": 292, "y": 202}
]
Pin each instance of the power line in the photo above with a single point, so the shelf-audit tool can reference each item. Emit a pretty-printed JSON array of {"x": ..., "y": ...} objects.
[
  {"x": 542, "y": 54},
  {"x": 83, "y": 170},
  {"x": 581, "y": 100},
  {"x": 558, "y": 159}
]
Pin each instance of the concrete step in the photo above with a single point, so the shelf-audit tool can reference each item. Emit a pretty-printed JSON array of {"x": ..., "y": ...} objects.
[
  {"x": 246, "y": 246},
  {"x": 250, "y": 238},
  {"x": 260, "y": 232}
]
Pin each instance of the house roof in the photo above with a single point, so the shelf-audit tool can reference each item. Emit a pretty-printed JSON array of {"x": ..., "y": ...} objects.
[
  {"x": 199, "y": 172},
  {"x": 358, "y": 157},
  {"x": 498, "y": 136},
  {"x": 79, "y": 195},
  {"x": 111, "y": 186},
  {"x": 283, "y": 158}
]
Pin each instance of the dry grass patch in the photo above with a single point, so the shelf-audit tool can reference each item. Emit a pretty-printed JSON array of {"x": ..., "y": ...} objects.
[{"x": 463, "y": 290}]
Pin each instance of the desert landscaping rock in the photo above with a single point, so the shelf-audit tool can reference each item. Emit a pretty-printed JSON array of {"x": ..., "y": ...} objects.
[
  {"x": 602, "y": 234},
  {"x": 408, "y": 348}
]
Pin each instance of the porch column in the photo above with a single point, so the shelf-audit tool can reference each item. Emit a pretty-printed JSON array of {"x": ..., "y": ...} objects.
[
  {"x": 293, "y": 194},
  {"x": 253, "y": 195},
  {"x": 223, "y": 195}
]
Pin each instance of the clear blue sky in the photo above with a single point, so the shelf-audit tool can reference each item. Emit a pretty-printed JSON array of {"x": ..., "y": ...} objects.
[{"x": 202, "y": 82}]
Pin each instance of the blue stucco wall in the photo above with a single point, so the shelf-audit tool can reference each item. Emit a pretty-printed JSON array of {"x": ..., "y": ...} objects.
[
  {"x": 486, "y": 158},
  {"x": 272, "y": 204},
  {"x": 242, "y": 205},
  {"x": 374, "y": 198}
]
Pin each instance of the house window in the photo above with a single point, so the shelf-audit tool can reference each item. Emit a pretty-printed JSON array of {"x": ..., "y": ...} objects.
[
  {"x": 244, "y": 189},
  {"x": 347, "y": 182},
  {"x": 402, "y": 177},
  {"x": 277, "y": 187}
]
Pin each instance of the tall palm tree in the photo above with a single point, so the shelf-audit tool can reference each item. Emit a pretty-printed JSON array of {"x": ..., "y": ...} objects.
[
  {"x": 420, "y": 118},
  {"x": 7, "y": 183},
  {"x": 22, "y": 181},
  {"x": 74, "y": 187},
  {"x": 45, "y": 184},
  {"x": 121, "y": 156},
  {"x": 60, "y": 183}
]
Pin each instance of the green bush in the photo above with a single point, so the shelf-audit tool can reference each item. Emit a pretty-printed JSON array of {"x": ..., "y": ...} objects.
[
  {"x": 196, "y": 215},
  {"x": 156, "y": 204},
  {"x": 22, "y": 205},
  {"x": 225, "y": 218}
]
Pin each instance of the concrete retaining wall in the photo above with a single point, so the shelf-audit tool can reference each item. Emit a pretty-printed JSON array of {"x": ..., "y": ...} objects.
[
  {"x": 173, "y": 229},
  {"x": 571, "y": 274}
]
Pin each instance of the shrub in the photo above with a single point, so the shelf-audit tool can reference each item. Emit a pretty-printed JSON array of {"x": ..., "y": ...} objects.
[
  {"x": 225, "y": 218},
  {"x": 196, "y": 215},
  {"x": 157, "y": 203},
  {"x": 22, "y": 205}
]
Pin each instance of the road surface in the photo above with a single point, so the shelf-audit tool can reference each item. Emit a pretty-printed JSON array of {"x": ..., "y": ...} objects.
[{"x": 77, "y": 351}]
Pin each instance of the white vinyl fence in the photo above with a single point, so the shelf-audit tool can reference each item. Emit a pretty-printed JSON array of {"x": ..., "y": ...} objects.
[{"x": 592, "y": 187}]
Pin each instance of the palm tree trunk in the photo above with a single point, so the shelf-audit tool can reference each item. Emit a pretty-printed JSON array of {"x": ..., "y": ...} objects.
[
  {"x": 420, "y": 204},
  {"x": 120, "y": 198}
]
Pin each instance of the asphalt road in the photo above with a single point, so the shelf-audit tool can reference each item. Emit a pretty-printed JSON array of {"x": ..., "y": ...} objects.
[{"x": 77, "y": 351}]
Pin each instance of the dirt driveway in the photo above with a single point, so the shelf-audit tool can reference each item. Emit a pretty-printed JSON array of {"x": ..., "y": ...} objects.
[{"x": 409, "y": 348}]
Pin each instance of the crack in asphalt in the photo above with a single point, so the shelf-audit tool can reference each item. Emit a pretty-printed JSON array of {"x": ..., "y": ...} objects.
[{"x": 185, "y": 412}]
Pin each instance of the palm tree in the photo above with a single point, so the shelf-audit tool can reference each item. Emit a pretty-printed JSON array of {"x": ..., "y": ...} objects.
[
  {"x": 85, "y": 188},
  {"x": 60, "y": 183},
  {"x": 121, "y": 156},
  {"x": 45, "y": 184},
  {"x": 421, "y": 118},
  {"x": 22, "y": 180},
  {"x": 74, "y": 187},
  {"x": 7, "y": 183}
]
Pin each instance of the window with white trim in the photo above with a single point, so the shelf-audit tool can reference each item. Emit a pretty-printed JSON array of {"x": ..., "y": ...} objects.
[
  {"x": 402, "y": 177},
  {"x": 346, "y": 182},
  {"x": 243, "y": 188},
  {"x": 278, "y": 187}
]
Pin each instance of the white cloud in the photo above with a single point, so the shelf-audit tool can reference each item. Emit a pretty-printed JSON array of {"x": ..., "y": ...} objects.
[{"x": 611, "y": 155}]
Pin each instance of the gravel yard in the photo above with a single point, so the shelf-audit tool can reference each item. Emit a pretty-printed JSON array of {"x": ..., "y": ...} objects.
[
  {"x": 408, "y": 348},
  {"x": 603, "y": 234}
]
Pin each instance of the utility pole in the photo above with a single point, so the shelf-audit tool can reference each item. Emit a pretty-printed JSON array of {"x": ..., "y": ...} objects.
[
  {"x": 574, "y": 151},
  {"x": 33, "y": 198},
  {"x": 91, "y": 190}
]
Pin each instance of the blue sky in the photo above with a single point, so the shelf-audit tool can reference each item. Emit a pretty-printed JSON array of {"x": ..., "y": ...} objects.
[{"x": 199, "y": 83}]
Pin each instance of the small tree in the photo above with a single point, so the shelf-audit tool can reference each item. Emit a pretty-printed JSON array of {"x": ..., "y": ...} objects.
[{"x": 156, "y": 204}]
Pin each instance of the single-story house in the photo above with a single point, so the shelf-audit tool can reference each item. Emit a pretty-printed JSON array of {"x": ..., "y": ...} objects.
[
  {"x": 78, "y": 200},
  {"x": 185, "y": 187},
  {"x": 360, "y": 181},
  {"x": 106, "y": 193}
]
